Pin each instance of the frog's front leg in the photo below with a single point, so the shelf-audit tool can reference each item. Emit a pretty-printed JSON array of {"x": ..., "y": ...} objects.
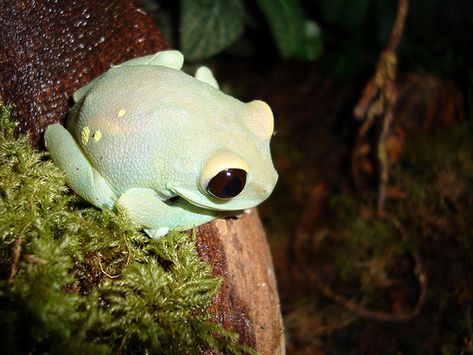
[
  {"x": 158, "y": 217},
  {"x": 80, "y": 175}
]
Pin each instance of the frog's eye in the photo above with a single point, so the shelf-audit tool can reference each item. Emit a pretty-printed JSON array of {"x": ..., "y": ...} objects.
[
  {"x": 228, "y": 183},
  {"x": 224, "y": 175}
]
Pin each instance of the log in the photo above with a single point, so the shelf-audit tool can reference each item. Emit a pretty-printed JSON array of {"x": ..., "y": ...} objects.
[
  {"x": 247, "y": 301},
  {"x": 49, "y": 49}
]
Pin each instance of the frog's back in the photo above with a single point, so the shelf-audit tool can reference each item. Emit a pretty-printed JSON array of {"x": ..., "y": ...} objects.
[{"x": 131, "y": 116}]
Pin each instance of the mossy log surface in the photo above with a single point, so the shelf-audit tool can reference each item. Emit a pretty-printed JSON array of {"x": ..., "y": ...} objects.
[{"x": 50, "y": 49}]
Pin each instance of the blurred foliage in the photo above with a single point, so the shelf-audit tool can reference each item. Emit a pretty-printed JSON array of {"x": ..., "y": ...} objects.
[
  {"x": 370, "y": 259},
  {"x": 294, "y": 35},
  {"x": 207, "y": 27},
  {"x": 346, "y": 36},
  {"x": 77, "y": 280},
  {"x": 348, "y": 14}
]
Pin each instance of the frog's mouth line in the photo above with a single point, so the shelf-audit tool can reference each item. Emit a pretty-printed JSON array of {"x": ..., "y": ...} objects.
[
  {"x": 178, "y": 199},
  {"x": 197, "y": 204},
  {"x": 214, "y": 203}
]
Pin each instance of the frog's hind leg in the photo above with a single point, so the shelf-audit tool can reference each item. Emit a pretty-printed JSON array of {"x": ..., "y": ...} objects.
[{"x": 80, "y": 175}]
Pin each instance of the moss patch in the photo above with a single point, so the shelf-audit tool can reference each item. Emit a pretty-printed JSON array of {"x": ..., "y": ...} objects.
[{"x": 74, "y": 279}]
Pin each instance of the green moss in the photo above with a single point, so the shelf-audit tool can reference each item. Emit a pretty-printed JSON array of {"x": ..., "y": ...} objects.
[
  {"x": 74, "y": 279},
  {"x": 373, "y": 256},
  {"x": 360, "y": 244},
  {"x": 437, "y": 175}
]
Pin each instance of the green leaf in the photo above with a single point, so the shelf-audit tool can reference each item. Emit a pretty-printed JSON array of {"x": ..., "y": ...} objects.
[
  {"x": 209, "y": 26},
  {"x": 293, "y": 34}
]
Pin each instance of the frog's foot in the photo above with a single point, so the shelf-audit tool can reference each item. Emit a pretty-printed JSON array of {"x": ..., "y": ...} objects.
[
  {"x": 205, "y": 74},
  {"x": 80, "y": 175},
  {"x": 157, "y": 233},
  {"x": 158, "y": 217},
  {"x": 234, "y": 214}
]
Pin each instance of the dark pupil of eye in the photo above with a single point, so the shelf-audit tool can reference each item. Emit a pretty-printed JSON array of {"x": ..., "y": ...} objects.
[{"x": 228, "y": 183}]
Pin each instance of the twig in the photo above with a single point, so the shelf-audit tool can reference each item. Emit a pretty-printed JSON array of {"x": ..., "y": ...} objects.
[
  {"x": 309, "y": 218},
  {"x": 328, "y": 329},
  {"x": 373, "y": 314},
  {"x": 386, "y": 66},
  {"x": 126, "y": 263},
  {"x": 365, "y": 312},
  {"x": 103, "y": 270},
  {"x": 33, "y": 259},
  {"x": 16, "y": 253},
  {"x": 377, "y": 102}
]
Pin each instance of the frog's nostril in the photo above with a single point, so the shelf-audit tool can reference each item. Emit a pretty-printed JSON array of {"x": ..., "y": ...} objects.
[{"x": 266, "y": 190}]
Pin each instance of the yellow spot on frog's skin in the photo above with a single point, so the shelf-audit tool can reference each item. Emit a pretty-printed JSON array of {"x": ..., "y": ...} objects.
[
  {"x": 85, "y": 135},
  {"x": 97, "y": 135},
  {"x": 121, "y": 113}
]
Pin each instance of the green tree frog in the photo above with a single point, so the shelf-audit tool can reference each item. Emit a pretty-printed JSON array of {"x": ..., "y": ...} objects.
[{"x": 170, "y": 149}]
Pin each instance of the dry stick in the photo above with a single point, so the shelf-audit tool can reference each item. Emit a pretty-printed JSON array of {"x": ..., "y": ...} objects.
[
  {"x": 126, "y": 263},
  {"x": 378, "y": 97},
  {"x": 379, "y": 315},
  {"x": 378, "y": 100},
  {"x": 365, "y": 312},
  {"x": 351, "y": 305},
  {"x": 16, "y": 253},
  {"x": 310, "y": 216},
  {"x": 103, "y": 270},
  {"x": 386, "y": 66}
]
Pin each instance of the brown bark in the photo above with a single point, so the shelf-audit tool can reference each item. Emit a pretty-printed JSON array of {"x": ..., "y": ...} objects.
[
  {"x": 247, "y": 301},
  {"x": 48, "y": 50}
]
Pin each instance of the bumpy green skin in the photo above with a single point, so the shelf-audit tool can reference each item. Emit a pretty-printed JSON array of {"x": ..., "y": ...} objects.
[{"x": 145, "y": 132}]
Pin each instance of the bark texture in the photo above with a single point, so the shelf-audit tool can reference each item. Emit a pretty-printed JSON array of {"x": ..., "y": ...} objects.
[
  {"x": 247, "y": 301},
  {"x": 48, "y": 50}
]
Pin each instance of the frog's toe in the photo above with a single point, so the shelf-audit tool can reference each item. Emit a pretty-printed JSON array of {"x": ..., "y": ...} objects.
[{"x": 157, "y": 233}]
